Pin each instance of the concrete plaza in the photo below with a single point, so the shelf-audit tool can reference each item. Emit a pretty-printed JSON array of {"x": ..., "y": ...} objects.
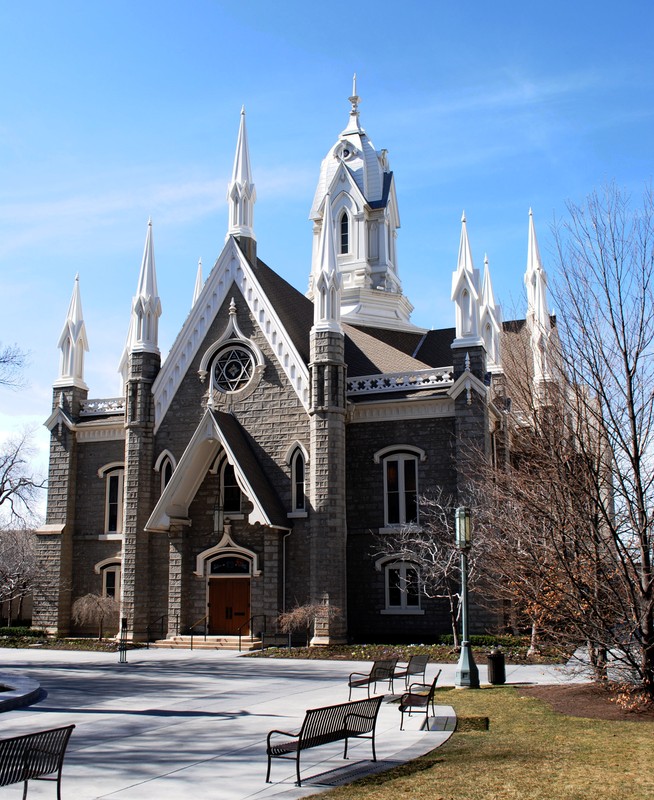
[{"x": 175, "y": 724}]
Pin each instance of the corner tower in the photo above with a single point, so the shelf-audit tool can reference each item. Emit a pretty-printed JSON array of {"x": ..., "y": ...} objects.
[{"x": 358, "y": 184}]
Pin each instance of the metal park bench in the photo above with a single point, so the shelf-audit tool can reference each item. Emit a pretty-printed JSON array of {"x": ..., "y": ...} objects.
[
  {"x": 381, "y": 671},
  {"x": 420, "y": 695},
  {"x": 34, "y": 756},
  {"x": 356, "y": 719},
  {"x": 415, "y": 666}
]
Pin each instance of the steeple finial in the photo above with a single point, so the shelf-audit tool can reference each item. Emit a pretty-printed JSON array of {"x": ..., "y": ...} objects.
[
  {"x": 466, "y": 293},
  {"x": 241, "y": 193},
  {"x": 73, "y": 343},
  {"x": 353, "y": 125},
  {"x": 143, "y": 332},
  {"x": 490, "y": 316},
  {"x": 538, "y": 314},
  {"x": 327, "y": 299},
  {"x": 198, "y": 283}
]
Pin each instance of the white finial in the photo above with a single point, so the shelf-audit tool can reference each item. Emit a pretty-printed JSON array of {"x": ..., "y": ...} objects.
[
  {"x": 490, "y": 316},
  {"x": 198, "y": 283},
  {"x": 465, "y": 293},
  {"x": 538, "y": 315},
  {"x": 143, "y": 332},
  {"x": 327, "y": 295},
  {"x": 241, "y": 194},
  {"x": 232, "y": 307},
  {"x": 73, "y": 343},
  {"x": 463, "y": 216}
]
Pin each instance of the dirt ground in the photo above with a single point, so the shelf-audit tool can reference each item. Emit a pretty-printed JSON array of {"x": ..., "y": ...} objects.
[{"x": 586, "y": 700}]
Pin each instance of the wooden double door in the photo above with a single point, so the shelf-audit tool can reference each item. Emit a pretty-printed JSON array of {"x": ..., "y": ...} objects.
[{"x": 229, "y": 605}]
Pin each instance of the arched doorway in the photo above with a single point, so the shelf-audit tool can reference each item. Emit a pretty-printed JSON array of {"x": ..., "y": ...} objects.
[{"x": 229, "y": 594}]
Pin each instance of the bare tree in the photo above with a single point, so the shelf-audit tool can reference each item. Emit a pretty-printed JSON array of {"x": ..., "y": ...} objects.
[
  {"x": 95, "y": 609},
  {"x": 19, "y": 486},
  {"x": 573, "y": 508},
  {"x": 12, "y": 361},
  {"x": 431, "y": 547},
  {"x": 17, "y": 568},
  {"x": 606, "y": 295},
  {"x": 304, "y": 617}
]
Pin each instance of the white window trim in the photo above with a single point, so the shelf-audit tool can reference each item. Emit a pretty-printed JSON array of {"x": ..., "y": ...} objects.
[
  {"x": 110, "y": 565},
  {"x": 401, "y": 458},
  {"x": 115, "y": 469},
  {"x": 391, "y": 562},
  {"x": 295, "y": 508}
]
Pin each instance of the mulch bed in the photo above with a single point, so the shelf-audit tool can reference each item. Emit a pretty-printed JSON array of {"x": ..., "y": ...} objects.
[{"x": 586, "y": 700}]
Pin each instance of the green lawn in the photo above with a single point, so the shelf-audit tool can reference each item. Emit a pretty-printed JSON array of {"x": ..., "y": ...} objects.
[{"x": 529, "y": 753}]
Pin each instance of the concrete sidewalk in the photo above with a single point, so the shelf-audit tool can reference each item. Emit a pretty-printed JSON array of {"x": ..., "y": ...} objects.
[{"x": 173, "y": 724}]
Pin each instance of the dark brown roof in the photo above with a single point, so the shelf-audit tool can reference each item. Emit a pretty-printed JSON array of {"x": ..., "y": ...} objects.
[
  {"x": 237, "y": 439},
  {"x": 366, "y": 354},
  {"x": 295, "y": 311}
]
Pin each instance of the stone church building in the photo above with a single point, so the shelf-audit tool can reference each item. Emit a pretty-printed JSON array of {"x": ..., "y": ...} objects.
[{"x": 253, "y": 468}]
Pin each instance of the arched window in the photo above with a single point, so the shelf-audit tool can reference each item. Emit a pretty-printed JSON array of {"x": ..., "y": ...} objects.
[
  {"x": 401, "y": 489},
  {"x": 110, "y": 570},
  {"x": 230, "y": 491},
  {"x": 400, "y": 471},
  {"x": 165, "y": 466},
  {"x": 402, "y": 584},
  {"x": 114, "y": 477},
  {"x": 344, "y": 239},
  {"x": 166, "y": 473},
  {"x": 297, "y": 481}
]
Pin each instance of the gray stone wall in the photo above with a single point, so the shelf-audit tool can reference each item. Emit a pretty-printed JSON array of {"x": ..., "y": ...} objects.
[
  {"x": 274, "y": 418},
  {"x": 365, "y": 503}
]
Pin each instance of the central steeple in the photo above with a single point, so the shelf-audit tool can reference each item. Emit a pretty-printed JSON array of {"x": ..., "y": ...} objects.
[{"x": 357, "y": 182}]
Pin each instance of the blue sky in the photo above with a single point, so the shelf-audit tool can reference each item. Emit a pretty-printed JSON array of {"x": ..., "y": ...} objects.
[{"x": 114, "y": 111}]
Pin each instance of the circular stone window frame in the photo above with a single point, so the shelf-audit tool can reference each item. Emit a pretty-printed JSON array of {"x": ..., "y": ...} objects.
[{"x": 231, "y": 338}]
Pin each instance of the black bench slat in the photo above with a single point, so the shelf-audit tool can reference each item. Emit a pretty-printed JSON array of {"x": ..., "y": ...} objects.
[
  {"x": 355, "y": 719},
  {"x": 381, "y": 670},
  {"x": 34, "y": 756}
]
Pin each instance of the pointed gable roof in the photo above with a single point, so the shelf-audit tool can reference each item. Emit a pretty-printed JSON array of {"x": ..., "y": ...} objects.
[
  {"x": 217, "y": 431},
  {"x": 277, "y": 308}
]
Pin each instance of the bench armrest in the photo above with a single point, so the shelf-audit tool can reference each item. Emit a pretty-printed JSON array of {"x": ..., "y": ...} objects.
[
  {"x": 419, "y": 686},
  {"x": 362, "y": 674},
  {"x": 283, "y": 733}
]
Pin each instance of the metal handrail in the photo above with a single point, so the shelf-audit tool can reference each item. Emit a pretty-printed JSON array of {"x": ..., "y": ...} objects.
[
  {"x": 249, "y": 622},
  {"x": 202, "y": 619},
  {"x": 160, "y": 619}
]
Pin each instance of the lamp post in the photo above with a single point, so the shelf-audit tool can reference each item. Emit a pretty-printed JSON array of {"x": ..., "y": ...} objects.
[{"x": 467, "y": 674}]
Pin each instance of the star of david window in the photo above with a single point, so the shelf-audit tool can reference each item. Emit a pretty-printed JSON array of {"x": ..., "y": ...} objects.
[{"x": 233, "y": 368}]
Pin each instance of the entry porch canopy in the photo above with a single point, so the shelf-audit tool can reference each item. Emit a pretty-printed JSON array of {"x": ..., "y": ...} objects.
[{"x": 218, "y": 431}]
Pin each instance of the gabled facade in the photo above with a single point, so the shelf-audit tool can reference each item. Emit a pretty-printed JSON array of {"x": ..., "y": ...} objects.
[{"x": 252, "y": 470}]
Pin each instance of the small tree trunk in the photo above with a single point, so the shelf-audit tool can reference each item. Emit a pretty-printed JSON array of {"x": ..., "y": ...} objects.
[{"x": 534, "y": 644}]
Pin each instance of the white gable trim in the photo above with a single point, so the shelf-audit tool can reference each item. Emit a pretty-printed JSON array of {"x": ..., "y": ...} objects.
[
  {"x": 231, "y": 267},
  {"x": 207, "y": 441},
  {"x": 226, "y": 546}
]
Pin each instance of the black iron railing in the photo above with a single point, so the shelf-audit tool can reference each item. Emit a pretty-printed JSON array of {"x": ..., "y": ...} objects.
[
  {"x": 249, "y": 623},
  {"x": 195, "y": 624}
]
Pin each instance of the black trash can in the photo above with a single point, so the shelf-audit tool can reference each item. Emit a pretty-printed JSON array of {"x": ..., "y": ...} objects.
[{"x": 496, "y": 668}]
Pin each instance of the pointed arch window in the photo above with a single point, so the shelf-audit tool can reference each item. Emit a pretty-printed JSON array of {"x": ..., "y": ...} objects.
[
  {"x": 298, "y": 481},
  {"x": 344, "y": 233},
  {"x": 230, "y": 491},
  {"x": 113, "y": 475}
]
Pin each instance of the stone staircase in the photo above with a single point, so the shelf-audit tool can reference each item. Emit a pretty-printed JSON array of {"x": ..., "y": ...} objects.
[{"x": 202, "y": 642}]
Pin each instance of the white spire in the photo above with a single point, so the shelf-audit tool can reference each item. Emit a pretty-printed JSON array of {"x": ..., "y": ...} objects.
[
  {"x": 198, "y": 283},
  {"x": 490, "y": 316},
  {"x": 143, "y": 333},
  {"x": 538, "y": 314},
  {"x": 241, "y": 194},
  {"x": 327, "y": 294},
  {"x": 466, "y": 294},
  {"x": 353, "y": 125},
  {"x": 73, "y": 343}
]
